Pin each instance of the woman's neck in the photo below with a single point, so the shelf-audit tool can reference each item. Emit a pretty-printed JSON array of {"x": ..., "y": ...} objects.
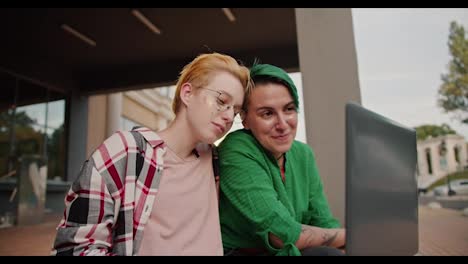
[
  {"x": 178, "y": 139},
  {"x": 280, "y": 160}
]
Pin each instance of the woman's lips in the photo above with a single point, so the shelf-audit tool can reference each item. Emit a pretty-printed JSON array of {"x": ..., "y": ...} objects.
[
  {"x": 220, "y": 128},
  {"x": 281, "y": 137}
]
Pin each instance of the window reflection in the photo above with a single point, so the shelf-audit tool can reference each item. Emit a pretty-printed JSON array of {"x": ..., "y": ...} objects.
[
  {"x": 32, "y": 126},
  {"x": 29, "y": 129},
  {"x": 56, "y": 140}
]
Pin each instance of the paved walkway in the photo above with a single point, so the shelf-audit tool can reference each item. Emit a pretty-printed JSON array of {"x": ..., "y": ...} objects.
[
  {"x": 442, "y": 232},
  {"x": 34, "y": 240}
]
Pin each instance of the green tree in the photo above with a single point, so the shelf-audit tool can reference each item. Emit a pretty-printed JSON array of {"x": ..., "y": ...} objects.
[
  {"x": 453, "y": 93},
  {"x": 427, "y": 131}
]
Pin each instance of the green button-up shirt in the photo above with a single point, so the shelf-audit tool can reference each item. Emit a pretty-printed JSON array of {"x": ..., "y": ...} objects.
[{"x": 255, "y": 201}]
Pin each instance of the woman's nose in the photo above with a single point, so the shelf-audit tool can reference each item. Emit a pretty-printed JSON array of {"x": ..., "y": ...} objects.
[{"x": 281, "y": 122}]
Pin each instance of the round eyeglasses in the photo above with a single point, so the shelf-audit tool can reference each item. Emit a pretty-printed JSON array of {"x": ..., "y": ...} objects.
[{"x": 221, "y": 100}]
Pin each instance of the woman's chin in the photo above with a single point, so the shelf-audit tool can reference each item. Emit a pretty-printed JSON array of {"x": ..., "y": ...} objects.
[{"x": 211, "y": 139}]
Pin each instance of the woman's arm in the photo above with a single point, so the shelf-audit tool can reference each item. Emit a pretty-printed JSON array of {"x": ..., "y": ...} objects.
[
  {"x": 89, "y": 217},
  {"x": 312, "y": 236}
]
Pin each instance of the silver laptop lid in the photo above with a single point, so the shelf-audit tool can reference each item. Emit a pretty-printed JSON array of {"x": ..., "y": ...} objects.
[{"x": 381, "y": 187}]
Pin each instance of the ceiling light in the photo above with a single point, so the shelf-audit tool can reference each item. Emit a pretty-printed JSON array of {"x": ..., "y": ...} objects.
[
  {"x": 146, "y": 21},
  {"x": 79, "y": 35},
  {"x": 229, "y": 14}
]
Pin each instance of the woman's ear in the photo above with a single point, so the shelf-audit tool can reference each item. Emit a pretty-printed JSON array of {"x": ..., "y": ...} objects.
[
  {"x": 243, "y": 116},
  {"x": 186, "y": 92}
]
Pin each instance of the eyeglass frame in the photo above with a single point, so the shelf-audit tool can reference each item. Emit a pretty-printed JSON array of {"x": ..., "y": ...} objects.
[{"x": 220, "y": 104}]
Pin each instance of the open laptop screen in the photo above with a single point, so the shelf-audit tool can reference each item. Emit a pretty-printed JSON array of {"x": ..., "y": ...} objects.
[{"x": 381, "y": 188}]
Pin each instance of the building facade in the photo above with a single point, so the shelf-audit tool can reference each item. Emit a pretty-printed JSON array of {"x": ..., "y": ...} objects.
[
  {"x": 440, "y": 156},
  {"x": 318, "y": 42},
  {"x": 151, "y": 108},
  {"x": 33, "y": 146}
]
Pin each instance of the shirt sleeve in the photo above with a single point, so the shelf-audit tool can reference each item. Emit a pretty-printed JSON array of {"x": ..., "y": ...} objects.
[
  {"x": 90, "y": 210},
  {"x": 319, "y": 213},
  {"x": 247, "y": 184}
]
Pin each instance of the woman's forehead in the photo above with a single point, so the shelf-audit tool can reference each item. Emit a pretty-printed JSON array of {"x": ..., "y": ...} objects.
[{"x": 263, "y": 92}]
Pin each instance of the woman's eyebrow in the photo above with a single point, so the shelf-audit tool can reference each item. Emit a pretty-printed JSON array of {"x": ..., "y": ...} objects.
[{"x": 261, "y": 108}]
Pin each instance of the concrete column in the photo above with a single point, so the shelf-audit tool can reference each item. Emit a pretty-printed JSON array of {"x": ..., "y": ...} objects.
[
  {"x": 77, "y": 135},
  {"x": 97, "y": 122},
  {"x": 463, "y": 154},
  {"x": 451, "y": 161},
  {"x": 327, "y": 59},
  {"x": 114, "y": 111},
  {"x": 421, "y": 159}
]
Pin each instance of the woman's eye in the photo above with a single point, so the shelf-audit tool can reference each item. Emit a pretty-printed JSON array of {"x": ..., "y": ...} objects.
[
  {"x": 220, "y": 102},
  {"x": 267, "y": 114}
]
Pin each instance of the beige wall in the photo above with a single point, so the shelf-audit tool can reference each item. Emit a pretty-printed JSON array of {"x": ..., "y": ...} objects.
[
  {"x": 138, "y": 113},
  {"x": 97, "y": 112},
  {"x": 328, "y": 63},
  {"x": 145, "y": 107},
  {"x": 114, "y": 113}
]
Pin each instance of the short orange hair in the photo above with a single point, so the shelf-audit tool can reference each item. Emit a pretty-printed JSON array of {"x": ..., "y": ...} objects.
[{"x": 201, "y": 69}]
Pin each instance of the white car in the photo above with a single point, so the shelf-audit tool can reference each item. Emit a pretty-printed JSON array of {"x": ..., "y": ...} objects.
[{"x": 460, "y": 187}]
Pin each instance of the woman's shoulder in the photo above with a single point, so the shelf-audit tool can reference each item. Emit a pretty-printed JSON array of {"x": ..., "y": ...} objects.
[
  {"x": 301, "y": 148},
  {"x": 240, "y": 136},
  {"x": 241, "y": 140},
  {"x": 118, "y": 139}
]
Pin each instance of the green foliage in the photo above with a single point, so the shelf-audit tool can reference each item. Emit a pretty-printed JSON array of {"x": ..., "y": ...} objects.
[
  {"x": 21, "y": 119},
  {"x": 453, "y": 93},
  {"x": 428, "y": 131},
  {"x": 453, "y": 176},
  {"x": 29, "y": 140}
]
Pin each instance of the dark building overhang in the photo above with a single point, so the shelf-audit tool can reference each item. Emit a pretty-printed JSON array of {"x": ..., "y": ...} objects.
[{"x": 127, "y": 55}]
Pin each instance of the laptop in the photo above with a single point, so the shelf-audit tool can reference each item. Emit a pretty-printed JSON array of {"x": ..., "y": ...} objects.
[{"x": 381, "y": 188}]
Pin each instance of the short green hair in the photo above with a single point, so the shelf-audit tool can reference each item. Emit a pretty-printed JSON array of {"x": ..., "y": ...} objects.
[{"x": 267, "y": 71}]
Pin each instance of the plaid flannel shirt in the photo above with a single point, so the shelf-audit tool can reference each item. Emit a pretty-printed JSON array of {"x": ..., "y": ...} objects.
[{"x": 110, "y": 202}]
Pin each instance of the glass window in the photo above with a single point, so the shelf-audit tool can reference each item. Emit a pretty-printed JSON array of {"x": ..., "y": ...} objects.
[
  {"x": 7, "y": 106},
  {"x": 56, "y": 140},
  {"x": 32, "y": 123}
]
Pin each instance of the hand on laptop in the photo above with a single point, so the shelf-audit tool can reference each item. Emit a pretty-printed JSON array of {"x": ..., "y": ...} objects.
[
  {"x": 335, "y": 237},
  {"x": 312, "y": 236}
]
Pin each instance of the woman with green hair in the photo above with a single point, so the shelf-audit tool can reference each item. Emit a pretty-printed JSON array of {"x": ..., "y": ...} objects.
[{"x": 272, "y": 200}]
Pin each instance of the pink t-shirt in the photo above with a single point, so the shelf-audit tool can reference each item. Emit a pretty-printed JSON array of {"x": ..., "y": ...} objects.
[{"x": 184, "y": 219}]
